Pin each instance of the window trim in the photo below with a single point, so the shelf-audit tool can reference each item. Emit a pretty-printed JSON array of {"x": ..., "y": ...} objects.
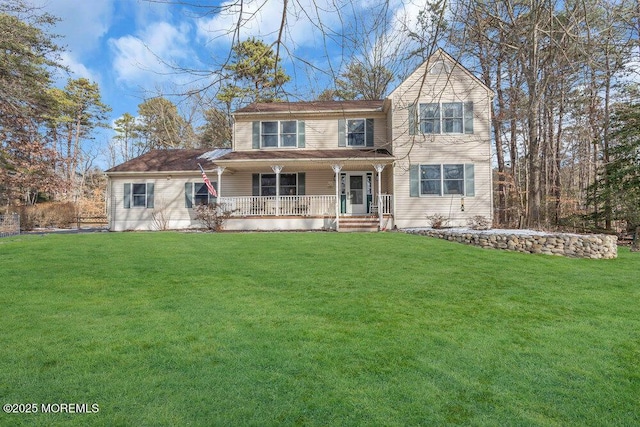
[
  {"x": 468, "y": 180},
  {"x": 300, "y": 184},
  {"x": 190, "y": 195},
  {"x": 343, "y": 132},
  {"x": 364, "y": 133},
  {"x": 129, "y": 199},
  {"x": 259, "y": 134},
  {"x": 466, "y": 120}
]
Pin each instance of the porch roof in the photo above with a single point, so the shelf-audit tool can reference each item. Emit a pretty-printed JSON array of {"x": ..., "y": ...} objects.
[{"x": 307, "y": 159}]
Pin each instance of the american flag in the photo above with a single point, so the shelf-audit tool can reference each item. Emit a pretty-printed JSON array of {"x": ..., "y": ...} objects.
[{"x": 212, "y": 190}]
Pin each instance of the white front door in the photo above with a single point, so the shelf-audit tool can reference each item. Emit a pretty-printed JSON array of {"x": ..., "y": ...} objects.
[{"x": 356, "y": 193}]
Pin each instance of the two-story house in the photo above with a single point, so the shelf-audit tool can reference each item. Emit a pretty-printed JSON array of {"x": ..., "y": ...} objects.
[{"x": 346, "y": 165}]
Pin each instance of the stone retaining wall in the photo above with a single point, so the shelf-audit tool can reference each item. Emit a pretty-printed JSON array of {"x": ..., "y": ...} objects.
[{"x": 596, "y": 246}]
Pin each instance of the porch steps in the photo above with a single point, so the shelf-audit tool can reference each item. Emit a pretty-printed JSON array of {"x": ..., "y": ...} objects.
[{"x": 358, "y": 223}]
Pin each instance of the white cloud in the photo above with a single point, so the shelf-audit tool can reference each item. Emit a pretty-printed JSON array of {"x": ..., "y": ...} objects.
[
  {"x": 262, "y": 19},
  {"x": 148, "y": 57},
  {"x": 82, "y": 23},
  {"x": 77, "y": 68}
]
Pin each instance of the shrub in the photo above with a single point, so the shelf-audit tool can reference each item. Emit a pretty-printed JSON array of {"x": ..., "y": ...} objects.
[
  {"x": 54, "y": 214},
  {"x": 479, "y": 222},
  {"x": 438, "y": 220},
  {"x": 213, "y": 215}
]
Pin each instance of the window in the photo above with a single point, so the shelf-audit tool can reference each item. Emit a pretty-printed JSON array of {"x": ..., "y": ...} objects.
[
  {"x": 430, "y": 118},
  {"x": 452, "y": 117},
  {"x": 442, "y": 180},
  {"x": 138, "y": 195},
  {"x": 355, "y": 133},
  {"x": 275, "y": 134},
  {"x": 196, "y": 193},
  {"x": 269, "y": 134},
  {"x": 291, "y": 184},
  {"x": 288, "y": 186},
  {"x": 448, "y": 117}
]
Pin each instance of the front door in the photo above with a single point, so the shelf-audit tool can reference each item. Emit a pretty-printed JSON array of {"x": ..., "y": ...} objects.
[{"x": 356, "y": 197}]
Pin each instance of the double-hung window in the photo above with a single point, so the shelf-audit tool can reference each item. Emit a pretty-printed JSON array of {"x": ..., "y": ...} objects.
[
  {"x": 278, "y": 134},
  {"x": 355, "y": 133},
  {"x": 291, "y": 184},
  {"x": 442, "y": 180},
  {"x": 446, "y": 117},
  {"x": 138, "y": 195},
  {"x": 196, "y": 193}
]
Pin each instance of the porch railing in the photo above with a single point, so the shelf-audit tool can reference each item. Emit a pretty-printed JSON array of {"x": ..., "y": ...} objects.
[
  {"x": 387, "y": 204},
  {"x": 282, "y": 206},
  {"x": 290, "y": 205}
]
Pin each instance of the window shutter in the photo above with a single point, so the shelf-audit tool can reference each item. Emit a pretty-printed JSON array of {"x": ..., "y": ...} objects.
[
  {"x": 255, "y": 179},
  {"x": 188, "y": 195},
  {"x": 413, "y": 128},
  {"x": 127, "y": 196},
  {"x": 369, "y": 133},
  {"x": 414, "y": 180},
  {"x": 301, "y": 136},
  {"x": 469, "y": 180},
  {"x": 301, "y": 183},
  {"x": 468, "y": 117},
  {"x": 149, "y": 195},
  {"x": 342, "y": 136},
  {"x": 256, "y": 135}
]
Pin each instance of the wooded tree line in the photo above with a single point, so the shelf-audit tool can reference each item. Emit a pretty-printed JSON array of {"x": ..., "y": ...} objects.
[
  {"x": 560, "y": 70},
  {"x": 563, "y": 72}
]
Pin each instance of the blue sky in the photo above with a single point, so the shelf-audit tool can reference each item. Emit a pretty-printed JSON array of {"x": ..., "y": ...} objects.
[{"x": 129, "y": 47}]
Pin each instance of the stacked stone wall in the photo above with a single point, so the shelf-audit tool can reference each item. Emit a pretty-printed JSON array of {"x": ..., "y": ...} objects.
[{"x": 595, "y": 246}]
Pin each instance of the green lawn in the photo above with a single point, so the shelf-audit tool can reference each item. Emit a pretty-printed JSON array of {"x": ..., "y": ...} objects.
[{"x": 314, "y": 329}]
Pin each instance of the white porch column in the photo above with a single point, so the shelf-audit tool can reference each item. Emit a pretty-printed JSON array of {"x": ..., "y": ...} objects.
[
  {"x": 379, "y": 168},
  {"x": 219, "y": 170},
  {"x": 336, "y": 169},
  {"x": 277, "y": 169}
]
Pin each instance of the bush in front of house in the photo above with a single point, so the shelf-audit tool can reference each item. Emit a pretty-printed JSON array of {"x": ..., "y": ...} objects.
[{"x": 213, "y": 216}]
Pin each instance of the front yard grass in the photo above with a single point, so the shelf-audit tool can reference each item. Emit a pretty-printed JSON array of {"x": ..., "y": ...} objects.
[{"x": 314, "y": 329}]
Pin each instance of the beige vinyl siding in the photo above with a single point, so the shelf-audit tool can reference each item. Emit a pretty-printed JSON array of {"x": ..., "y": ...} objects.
[
  {"x": 321, "y": 133},
  {"x": 169, "y": 201},
  {"x": 441, "y": 148}
]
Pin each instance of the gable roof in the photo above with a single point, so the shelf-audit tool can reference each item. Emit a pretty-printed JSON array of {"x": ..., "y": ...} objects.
[
  {"x": 171, "y": 160},
  {"x": 440, "y": 54}
]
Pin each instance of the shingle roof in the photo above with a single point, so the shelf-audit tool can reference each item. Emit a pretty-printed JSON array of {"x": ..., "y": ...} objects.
[
  {"x": 169, "y": 160},
  {"x": 311, "y": 106},
  {"x": 187, "y": 160},
  {"x": 306, "y": 154}
]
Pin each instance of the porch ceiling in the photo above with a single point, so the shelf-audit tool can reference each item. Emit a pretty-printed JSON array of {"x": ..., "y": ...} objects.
[{"x": 305, "y": 159}]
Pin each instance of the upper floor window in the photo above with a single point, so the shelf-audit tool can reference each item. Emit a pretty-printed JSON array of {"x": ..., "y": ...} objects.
[
  {"x": 138, "y": 195},
  {"x": 446, "y": 117},
  {"x": 278, "y": 134},
  {"x": 196, "y": 193},
  {"x": 355, "y": 133}
]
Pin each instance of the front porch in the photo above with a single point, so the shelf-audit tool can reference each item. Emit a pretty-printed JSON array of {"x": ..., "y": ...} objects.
[
  {"x": 312, "y": 205},
  {"x": 313, "y": 212}
]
